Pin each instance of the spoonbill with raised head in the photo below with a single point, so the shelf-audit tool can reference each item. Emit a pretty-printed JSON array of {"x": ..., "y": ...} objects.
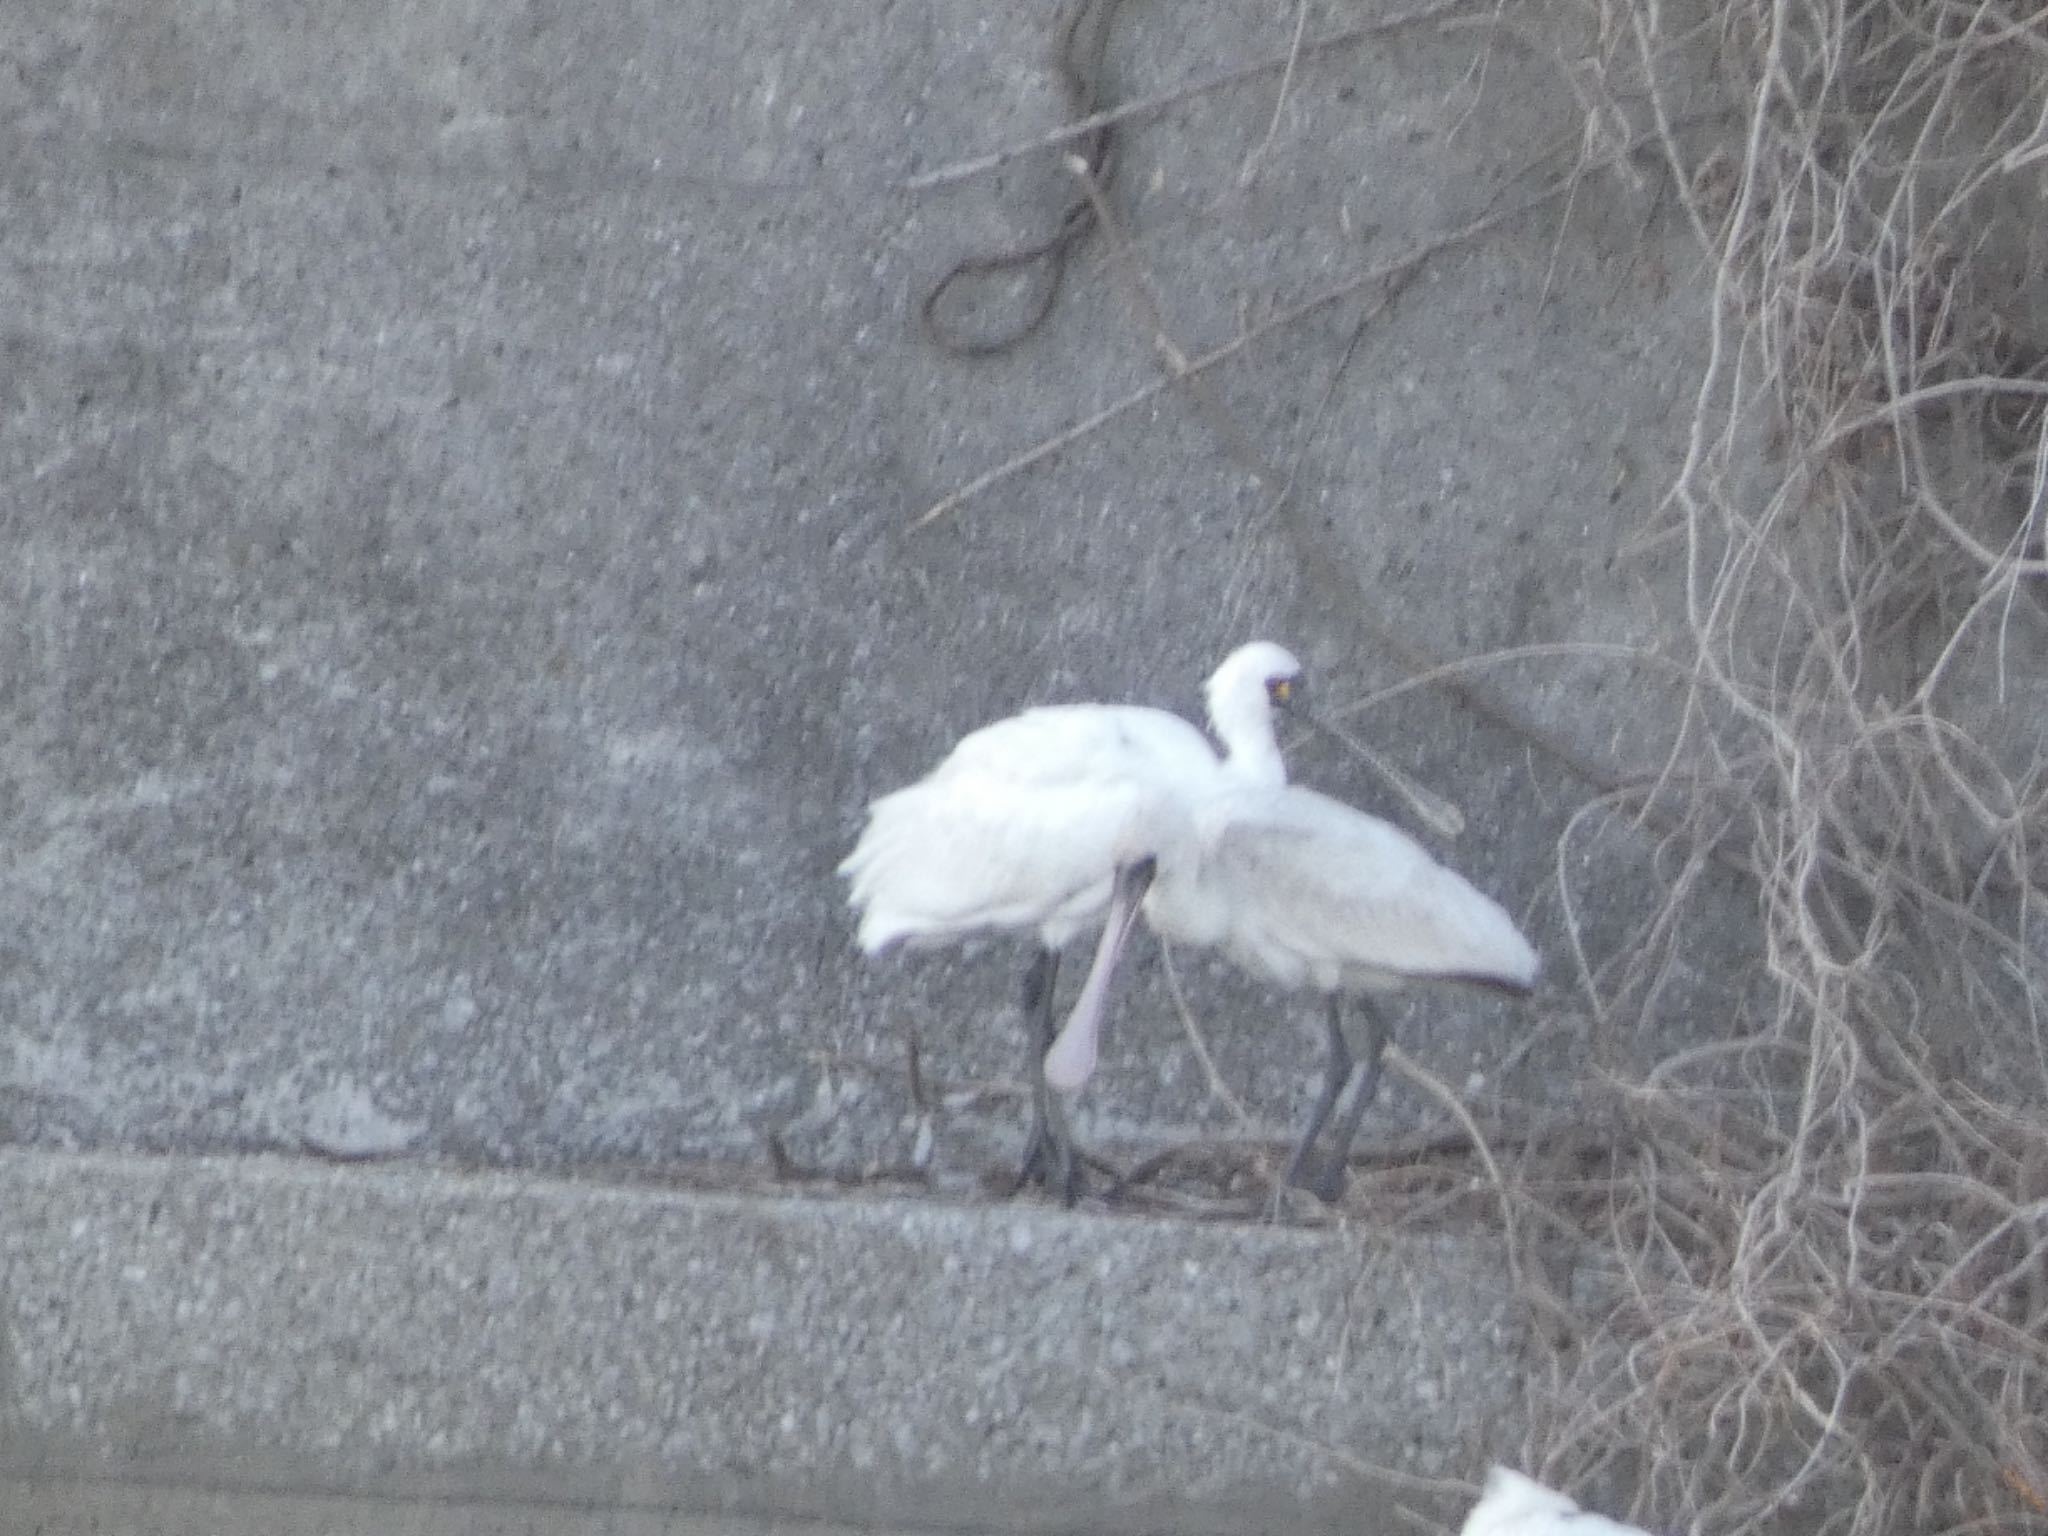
[{"x": 1048, "y": 821}]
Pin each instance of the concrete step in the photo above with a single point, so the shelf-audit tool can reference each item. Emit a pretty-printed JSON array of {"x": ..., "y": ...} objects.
[
  {"x": 187, "y": 1341},
  {"x": 67, "y": 1507}
]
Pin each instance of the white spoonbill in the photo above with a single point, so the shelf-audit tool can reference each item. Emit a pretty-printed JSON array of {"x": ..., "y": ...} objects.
[
  {"x": 1304, "y": 891},
  {"x": 1027, "y": 822},
  {"x": 1514, "y": 1505}
]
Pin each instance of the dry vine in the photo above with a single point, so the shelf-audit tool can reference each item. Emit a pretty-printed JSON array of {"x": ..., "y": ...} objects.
[{"x": 1816, "y": 1291}]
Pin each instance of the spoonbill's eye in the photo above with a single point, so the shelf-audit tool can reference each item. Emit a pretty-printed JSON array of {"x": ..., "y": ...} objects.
[{"x": 1280, "y": 689}]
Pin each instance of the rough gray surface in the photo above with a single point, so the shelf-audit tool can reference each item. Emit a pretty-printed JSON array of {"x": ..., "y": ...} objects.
[
  {"x": 458, "y": 593},
  {"x": 288, "y": 1326},
  {"x": 67, "y": 1507}
]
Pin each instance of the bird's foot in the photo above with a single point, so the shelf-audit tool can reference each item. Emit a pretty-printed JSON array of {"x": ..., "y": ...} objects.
[
  {"x": 1330, "y": 1183},
  {"x": 1053, "y": 1165},
  {"x": 1323, "y": 1177},
  {"x": 1290, "y": 1203}
]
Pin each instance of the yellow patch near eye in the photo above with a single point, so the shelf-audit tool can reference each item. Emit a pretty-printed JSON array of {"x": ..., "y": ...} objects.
[{"x": 1282, "y": 690}]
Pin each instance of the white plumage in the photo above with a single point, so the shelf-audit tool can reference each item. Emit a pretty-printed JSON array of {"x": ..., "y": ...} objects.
[
  {"x": 1022, "y": 826},
  {"x": 1514, "y": 1505},
  {"x": 1310, "y": 894},
  {"x": 1027, "y": 822},
  {"x": 1053, "y": 819}
]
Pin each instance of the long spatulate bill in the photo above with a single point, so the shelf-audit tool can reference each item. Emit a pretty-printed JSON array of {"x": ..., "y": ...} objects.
[{"x": 1071, "y": 1059}]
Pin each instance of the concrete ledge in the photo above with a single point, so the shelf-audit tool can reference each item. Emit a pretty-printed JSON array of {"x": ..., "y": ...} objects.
[
  {"x": 299, "y": 1329},
  {"x": 67, "y": 1507}
]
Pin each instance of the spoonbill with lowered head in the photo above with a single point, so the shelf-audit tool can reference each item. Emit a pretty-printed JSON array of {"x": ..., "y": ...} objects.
[
  {"x": 1307, "y": 893},
  {"x": 1047, "y": 821}
]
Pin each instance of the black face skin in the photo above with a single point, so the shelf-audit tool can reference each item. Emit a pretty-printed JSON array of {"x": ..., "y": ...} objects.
[{"x": 1285, "y": 692}]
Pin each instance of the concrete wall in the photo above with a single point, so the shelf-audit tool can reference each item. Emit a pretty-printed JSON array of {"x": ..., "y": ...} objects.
[{"x": 458, "y": 466}]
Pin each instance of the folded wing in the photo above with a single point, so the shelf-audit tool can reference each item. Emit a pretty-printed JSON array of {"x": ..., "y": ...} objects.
[
  {"x": 1021, "y": 825},
  {"x": 1326, "y": 896}
]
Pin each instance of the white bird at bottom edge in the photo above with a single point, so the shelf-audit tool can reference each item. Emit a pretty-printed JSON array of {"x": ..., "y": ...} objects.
[{"x": 1514, "y": 1505}]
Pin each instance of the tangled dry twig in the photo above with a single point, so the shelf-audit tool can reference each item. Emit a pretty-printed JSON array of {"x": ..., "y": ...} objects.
[{"x": 1818, "y": 1276}]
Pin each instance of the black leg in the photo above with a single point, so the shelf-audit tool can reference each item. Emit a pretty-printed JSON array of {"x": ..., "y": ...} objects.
[
  {"x": 1327, "y": 1182},
  {"x": 1049, "y": 1159},
  {"x": 1038, "y": 985},
  {"x": 1336, "y": 1070}
]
